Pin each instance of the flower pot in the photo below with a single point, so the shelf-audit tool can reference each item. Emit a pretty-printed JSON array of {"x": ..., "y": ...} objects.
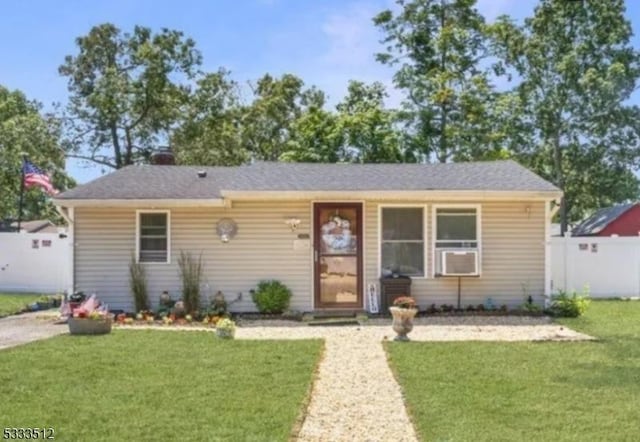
[
  {"x": 402, "y": 321},
  {"x": 86, "y": 326},
  {"x": 225, "y": 333}
]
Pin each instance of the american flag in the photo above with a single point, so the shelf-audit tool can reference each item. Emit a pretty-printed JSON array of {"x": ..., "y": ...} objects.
[{"x": 34, "y": 176}]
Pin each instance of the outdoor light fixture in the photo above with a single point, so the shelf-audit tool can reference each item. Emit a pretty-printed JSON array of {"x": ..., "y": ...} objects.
[
  {"x": 293, "y": 223},
  {"x": 226, "y": 229}
]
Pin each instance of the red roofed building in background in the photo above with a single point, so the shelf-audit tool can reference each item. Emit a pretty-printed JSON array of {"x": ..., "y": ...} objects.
[{"x": 620, "y": 220}]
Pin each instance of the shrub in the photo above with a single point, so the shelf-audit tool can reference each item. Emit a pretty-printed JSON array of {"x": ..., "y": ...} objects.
[
  {"x": 271, "y": 297},
  {"x": 447, "y": 308},
  {"x": 191, "y": 274},
  {"x": 138, "y": 284},
  {"x": 570, "y": 306},
  {"x": 432, "y": 309},
  {"x": 530, "y": 307}
]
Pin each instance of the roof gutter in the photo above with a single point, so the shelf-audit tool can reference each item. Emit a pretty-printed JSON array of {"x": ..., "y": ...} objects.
[
  {"x": 418, "y": 195},
  {"x": 142, "y": 203}
]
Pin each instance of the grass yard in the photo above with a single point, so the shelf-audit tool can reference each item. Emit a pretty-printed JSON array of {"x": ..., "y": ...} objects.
[
  {"x": 549, "y": 391},
  {"x": 11, "y": 303},
  {"x": 155, "y": 385}
]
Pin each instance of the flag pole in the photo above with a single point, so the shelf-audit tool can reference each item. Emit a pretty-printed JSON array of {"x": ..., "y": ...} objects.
[{"x": 21, "y": 193}]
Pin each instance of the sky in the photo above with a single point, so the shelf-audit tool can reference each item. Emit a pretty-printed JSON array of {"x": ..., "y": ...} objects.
[{"x": 326, "y": 42}]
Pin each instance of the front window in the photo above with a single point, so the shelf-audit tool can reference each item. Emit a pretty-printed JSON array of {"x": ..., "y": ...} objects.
[
  {"x": 456, "y": 229},
  {"x": 153, "y": 237},
  {"x": 402, "y": 246}
]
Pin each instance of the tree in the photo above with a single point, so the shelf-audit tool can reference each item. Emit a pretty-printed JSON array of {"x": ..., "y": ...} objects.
[
  {"x": 440, "y": 47},
  {"x": 285, "y": 122},
  {"x": 211, "y": 133},
  {"x": 316, "y": 136},
  {"x": 267, "y": 121},
  {"x": 369, "y": 128},
  {"x": 24, "y": 131},
  {"x": 127, "y": 92},
  {"x": 577, "y": 69}
]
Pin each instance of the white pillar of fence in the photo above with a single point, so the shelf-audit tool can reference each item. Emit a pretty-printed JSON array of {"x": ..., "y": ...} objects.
[{"x": 610, "y": 266}]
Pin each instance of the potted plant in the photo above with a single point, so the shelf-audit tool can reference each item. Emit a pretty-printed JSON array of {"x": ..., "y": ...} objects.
[
  {"x": 96, "y": 322},
  {"x": 403, "y": 311},
  {"x": 226, "y": 328},
  {"x": 91, "y": 318}
]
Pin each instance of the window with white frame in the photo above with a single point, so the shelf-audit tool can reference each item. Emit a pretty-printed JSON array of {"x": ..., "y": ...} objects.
[
  {"x": 456, "y": 229},
  {"x": 153, "y": 236},
  {"x": 402, "y": 241}
]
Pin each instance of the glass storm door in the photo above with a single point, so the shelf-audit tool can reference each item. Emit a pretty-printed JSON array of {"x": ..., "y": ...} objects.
[{"x": 338, "y": 255}]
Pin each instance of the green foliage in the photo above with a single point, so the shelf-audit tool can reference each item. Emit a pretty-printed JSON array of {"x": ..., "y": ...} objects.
[
  {"x": 190, "y": 271},
  {"x": 138, "y": 285},
  {"x": 371, "y": 135},
  {"x": 25, "y": 131},
  {"x": 285, "y": 121},
  {"x": 440, "y": 48},
  {"x": 530, "y": 307},
  {"x": 569, "y": 305},
  {"x": 271, "y": 297},
  {"x": 570, "y": 120},
  {"x": 127, "y": 91},
  {"x": 211, "y": 132},
  {"x": 267, "y": 121},
  {"x": 12, "y": 303}
]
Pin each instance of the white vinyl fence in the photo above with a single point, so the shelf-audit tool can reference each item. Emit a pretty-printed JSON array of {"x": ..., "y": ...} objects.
[
  {"x": 610, "y": 266},
  {"x": 35, "y": 262}
]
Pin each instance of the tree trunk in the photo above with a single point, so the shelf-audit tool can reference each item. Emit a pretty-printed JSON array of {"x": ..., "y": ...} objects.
[
  {"x": 443, "y": 106},
  {"x": 128, "y": 156},
  {"x": 557, "y": 162},
  {"x": 116, "y": 146}
]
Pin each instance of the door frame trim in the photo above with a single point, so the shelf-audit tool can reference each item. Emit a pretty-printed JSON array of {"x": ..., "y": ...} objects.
[{"x": 315, "y": 289}]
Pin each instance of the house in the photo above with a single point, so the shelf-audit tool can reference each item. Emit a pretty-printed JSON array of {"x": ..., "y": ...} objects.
[
  {"x": 620, "y": 220},
  {"x": 327, "y": 231},
  {"x": 38, "y": 226},
  {"x": 35, "y": 226}
]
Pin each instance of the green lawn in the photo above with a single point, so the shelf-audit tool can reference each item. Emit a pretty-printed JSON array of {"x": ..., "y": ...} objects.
[
  {"x": 155, "y": 385},
  {"x": 550, "y": 391},
  {"x": 11, "y": 303}
]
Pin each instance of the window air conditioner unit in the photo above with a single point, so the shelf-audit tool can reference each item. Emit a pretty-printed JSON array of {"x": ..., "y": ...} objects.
[{"x": 460, "y": 263}]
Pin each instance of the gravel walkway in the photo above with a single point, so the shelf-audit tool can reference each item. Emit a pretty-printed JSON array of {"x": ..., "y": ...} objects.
[
  {"x": 28, "y": 327},
  {"x": 355, "y": 396}
]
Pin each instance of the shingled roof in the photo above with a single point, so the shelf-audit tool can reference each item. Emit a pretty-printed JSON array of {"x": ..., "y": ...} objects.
[
  {"x": 183, "y": 182},
  {"x": 597, "y": 222}
]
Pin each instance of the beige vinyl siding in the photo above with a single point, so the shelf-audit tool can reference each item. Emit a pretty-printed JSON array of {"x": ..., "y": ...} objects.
[
  {"x": 512, "y": 253},
  {"x": 262, "y": 249},
  {"x": 512, "y": 256}
]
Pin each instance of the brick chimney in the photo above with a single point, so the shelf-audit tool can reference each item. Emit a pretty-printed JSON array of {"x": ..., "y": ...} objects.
[{"x": 163, "y": 157}]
